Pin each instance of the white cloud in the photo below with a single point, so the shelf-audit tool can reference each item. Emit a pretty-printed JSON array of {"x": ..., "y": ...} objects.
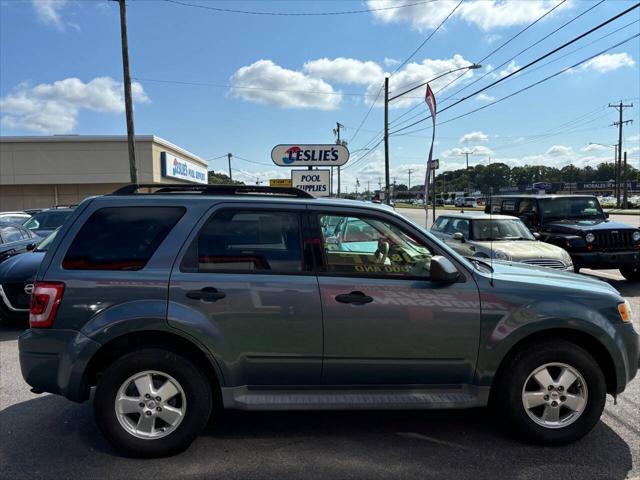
[
  {"x": 54, "y": 107},
  {"x": 49, "y": 12},
  {"x": 483, "y": 97},
  {"x": 474, "y": 137},
  {"x": 487, "y": 15},
  {"x": 391, "y": 62},
  {"x": 608, "y": 62},
  {"x": 345, "y": 70},
  {"x": 559, "y": 151},
  {"x": 594, "y": 147},
  {"x": 268, "y": 83}
]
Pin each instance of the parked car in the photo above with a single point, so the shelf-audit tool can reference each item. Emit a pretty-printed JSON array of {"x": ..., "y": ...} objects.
[
  {"x": 578, "y": 224},
  {"x": 15, "y": 239},
  {"x": 33, "y": 211},
  {"x": 46, "y": 221},
  {"x": 16, "y": 282},
  {"x": 480, "y": 235},
  {"x": 168, "y": 303},
  {"x": 458, "y": 202},
  {"x": 14, "y": 217}
]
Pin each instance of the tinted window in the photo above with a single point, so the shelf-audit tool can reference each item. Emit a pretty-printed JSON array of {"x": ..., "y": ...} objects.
[
  {"x": 11, "y": 234},
  {"x": 120, "y": 238},
  {"x": 48, "y": 220},
  {"x": 441, "y": 224},
  {"x": 508, "y": 206},
  {"x": 247, "y": 241},
  {"x": 370, "y": 246},
  {"x": 458, "y": 225},
  {"x": 484, "y": 230}
]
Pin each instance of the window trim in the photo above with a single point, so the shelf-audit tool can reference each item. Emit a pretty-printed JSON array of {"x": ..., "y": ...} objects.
[
  {"x": 307, "y": 268},
  {"x": 321, "y": 270}
]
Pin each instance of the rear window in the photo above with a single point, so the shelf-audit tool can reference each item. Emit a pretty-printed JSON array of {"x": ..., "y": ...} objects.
[{"x": 120, "y": 238}]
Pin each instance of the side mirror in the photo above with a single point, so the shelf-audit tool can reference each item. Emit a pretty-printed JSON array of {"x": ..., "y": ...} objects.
[
  {"x": 536, "y": 235},
  {"x": 458, "y": 236},
  {"x": 331, "y": 240},
  {"x": 442, "y": 270}
]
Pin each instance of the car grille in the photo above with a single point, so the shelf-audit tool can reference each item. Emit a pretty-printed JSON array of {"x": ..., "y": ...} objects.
[
  {"x": 15, "y": 294},
  {"x": 546, "y": 262},
  {"x": 622, "y": 239}
]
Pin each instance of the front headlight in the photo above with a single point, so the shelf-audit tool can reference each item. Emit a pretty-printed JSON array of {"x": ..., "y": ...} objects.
[
  {"x": 500, "y": 255},
  {"x": 590, "y": 237},
  {"x": 636, "y": 236}
]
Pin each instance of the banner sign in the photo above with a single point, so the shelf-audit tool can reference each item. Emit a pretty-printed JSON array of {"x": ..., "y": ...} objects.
[
  {"x": 172, "y": 166},
  {"x": 329, "y": 155},
  {"x": 430, "y": 100},
  {"x": 315, "y": 182},
  {"x": 280, "y": 182}
]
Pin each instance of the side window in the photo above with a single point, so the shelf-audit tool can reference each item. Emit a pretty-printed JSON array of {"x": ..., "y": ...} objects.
[
  {"x": 120, "y": 238},
  {"x": 11, "y": 234},
  {"x": 441, "y": 224},
  {"x": 362, "y": 245},
  {"x": 458, "y": 225},
  {"x": 26, "y": 235},
  {"x": 247, "y": 241}
]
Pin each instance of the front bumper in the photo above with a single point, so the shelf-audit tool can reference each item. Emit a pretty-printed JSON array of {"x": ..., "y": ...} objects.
[
  {"x": 55, "y": 361},
  {"x": 605, "y": 260}
]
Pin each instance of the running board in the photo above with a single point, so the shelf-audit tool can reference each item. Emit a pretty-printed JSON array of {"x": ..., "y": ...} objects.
[{"x": 244, "y": 398}]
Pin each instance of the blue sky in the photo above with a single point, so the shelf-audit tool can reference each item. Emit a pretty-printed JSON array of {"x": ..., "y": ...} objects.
[{"x": 60, "y": 72}]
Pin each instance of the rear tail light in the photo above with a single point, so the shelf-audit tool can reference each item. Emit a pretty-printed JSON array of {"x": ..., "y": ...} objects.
[{"x": 45, "y": 300}]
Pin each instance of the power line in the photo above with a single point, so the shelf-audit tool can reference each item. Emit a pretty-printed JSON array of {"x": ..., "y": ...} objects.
[
  {"x": 244, "y": 87},
  {"x": 251, "y": 161},
  {"x": 500, "y": 47},
  {"x": 366, "y": 115},
  {"x": 515, "y": 72},
  {"x": 531, "y": 85},
  {"x": 295, "y": 14},
  {"x": 525, "y": 49},
  {"x": 435, "y": 30}
]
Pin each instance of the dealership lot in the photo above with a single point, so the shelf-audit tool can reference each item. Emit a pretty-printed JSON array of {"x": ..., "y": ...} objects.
[{"x": 45, "y": 436}]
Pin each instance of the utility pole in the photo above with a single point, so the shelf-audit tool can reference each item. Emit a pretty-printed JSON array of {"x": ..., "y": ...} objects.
[
  {"x": 624, "y": 182},
  {"x": 128, "y": 106},
  {"x": 357, "y": 185},
  {"x": 620, "y": 107},
  {"x": 229, "y": 155},
  {"x": 336, "y": 132},
  {"x": 466, "y": 154},
  {"x": 386, "y": 138},
  {"x": 409, "y": 171}
]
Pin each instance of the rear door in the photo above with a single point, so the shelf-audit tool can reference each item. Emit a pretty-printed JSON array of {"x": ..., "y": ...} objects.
[
  {"x": 244, "y": 288},
  {"x": 385, "y": 322}
]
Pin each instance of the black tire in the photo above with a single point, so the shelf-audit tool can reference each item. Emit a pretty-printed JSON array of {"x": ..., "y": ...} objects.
[
  {"x": 191, "y": 379},
  {"x": 508, "y": 400},
  {"x": 631, "y": 273}
]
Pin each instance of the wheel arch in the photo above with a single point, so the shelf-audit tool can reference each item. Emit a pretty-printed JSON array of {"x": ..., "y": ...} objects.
[
  {"x": 584, "y": 340},
  {"x": 129, "y": 342}
]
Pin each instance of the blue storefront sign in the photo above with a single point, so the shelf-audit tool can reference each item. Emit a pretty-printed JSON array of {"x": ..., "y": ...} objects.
[{"x": 172, "y": 166}]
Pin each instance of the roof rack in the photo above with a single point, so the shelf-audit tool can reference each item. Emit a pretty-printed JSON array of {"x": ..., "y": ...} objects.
[{"x": 211, "y": 190}]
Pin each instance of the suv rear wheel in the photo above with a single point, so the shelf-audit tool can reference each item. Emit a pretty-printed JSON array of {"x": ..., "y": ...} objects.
[
  {"x": 631, "y": 273},
  {"x": 152, "y": 402},
  {"x": 552, "y": 392}
]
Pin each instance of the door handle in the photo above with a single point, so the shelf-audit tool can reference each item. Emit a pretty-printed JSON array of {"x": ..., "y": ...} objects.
[
  {"x": 357, "y": 298},
  {"x": 207, "y": 294}
]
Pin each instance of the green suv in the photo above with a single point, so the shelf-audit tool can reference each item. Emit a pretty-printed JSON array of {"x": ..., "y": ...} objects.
[{"x": 170, "y": 303}]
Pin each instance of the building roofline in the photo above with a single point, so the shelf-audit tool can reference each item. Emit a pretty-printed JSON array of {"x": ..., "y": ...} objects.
[{"x": 99, "y": 138}]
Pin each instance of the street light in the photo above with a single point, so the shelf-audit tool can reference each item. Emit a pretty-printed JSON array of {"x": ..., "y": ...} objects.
[
  {"x": 616, "y": 175},
  {"x": 473, "y": 66}
]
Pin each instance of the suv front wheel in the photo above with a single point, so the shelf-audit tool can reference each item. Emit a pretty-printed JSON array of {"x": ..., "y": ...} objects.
[
  {"x": 552, "y": 393},
  {"x": 631, "y": 273},
  {"x": 152, "y": 402}
]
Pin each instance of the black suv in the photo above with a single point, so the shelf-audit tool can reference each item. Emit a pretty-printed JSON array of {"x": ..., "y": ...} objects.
[{"x": 578, "y": 224}]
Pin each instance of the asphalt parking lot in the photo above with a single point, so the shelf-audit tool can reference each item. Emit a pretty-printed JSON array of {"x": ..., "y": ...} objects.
[{"x": 44, "y": 436}]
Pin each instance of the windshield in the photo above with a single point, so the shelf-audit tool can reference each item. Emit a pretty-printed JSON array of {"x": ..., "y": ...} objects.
[
  {"x": 44, "y": 244},
  {"x": 570, "y": 208},
  {"x": 509, "y": 229}
]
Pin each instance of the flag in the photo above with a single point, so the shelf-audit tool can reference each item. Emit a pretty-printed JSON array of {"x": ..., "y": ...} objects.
[{"x": 430, "y": 100}]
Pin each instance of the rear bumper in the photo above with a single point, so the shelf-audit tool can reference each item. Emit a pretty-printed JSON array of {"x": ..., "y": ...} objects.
[
  {"x": 54, "y": 361},
  {"x": 605, "y": 260}
]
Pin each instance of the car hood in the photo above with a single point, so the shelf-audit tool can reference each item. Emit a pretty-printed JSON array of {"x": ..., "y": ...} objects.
[
  {"x": 557, "y": 279},
  {"x": 585, "y": 225},
  {"x": 523, "y": 249},
  {"x": 20, "y": 268}
]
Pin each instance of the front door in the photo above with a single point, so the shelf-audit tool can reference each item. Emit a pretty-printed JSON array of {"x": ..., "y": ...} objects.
[
  {"x": 385, "y": 322},
  {"x": 244, "y": 289}
]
